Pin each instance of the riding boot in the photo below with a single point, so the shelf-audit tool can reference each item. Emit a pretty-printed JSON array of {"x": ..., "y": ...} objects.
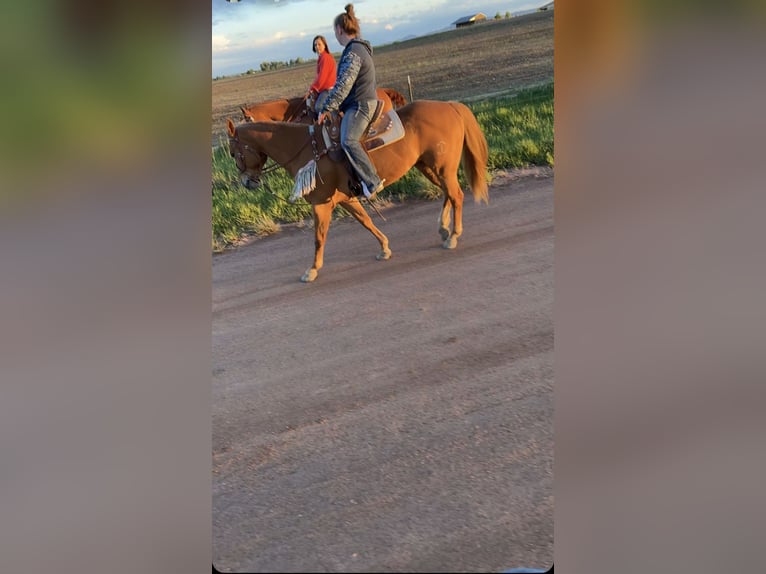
[{"x": 355, "y": 186}]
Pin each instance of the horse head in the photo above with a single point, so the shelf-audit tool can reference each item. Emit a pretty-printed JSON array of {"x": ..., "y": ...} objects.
[
  {"x": 249, "y": 160},
  {"x": 246, "y": 115}
]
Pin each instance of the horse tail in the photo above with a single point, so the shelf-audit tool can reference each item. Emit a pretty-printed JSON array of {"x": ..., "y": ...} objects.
[{"x": 475, "y": 153}]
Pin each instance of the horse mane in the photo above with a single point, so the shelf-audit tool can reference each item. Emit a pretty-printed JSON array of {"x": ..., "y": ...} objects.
[
  {"x": 295, "y": 106},
  {"x": 292, "y": 107},
  {"x": 397, "y": 99},
  {"x": 267, "y": 102},
  {"x": 270, "y": 126}
]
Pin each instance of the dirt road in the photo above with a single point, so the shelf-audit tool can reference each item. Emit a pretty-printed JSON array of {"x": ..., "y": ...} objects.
[{"x": 393, "y": 415}]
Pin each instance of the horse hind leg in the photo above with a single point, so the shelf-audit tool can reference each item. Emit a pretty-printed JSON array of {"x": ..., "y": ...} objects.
[
  {"x": 445, "y": 216},
  {"x": 454, "y": 199},
  {"x": 357, "y": 211},
  {"x": 452, "y": 208}
]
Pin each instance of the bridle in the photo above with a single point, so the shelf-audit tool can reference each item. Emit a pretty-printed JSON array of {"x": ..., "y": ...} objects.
[{"x": 239, "y": 158}]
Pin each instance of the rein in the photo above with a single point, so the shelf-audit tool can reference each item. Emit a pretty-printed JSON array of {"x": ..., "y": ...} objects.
[
  {"x": 276, "y": 164},
  {"x": 303, "y": 113}
]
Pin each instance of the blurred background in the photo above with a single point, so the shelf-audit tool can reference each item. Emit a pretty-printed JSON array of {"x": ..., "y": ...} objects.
[
  {"x": 105, "y": 305},
  {"x": 658, "y": 314}
]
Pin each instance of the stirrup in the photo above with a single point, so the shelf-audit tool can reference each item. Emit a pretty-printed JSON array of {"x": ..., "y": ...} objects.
[{"x": 371, "y": 194}]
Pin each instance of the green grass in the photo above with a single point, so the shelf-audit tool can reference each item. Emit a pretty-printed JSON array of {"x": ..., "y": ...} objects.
[
  {"x": 519, "y": 129},
  {"x": 519, "y": 132},
  {"x": 239, "y": 211}
]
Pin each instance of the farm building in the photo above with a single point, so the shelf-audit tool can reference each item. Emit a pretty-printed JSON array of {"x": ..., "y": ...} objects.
[{"x": 468, "y": 20}]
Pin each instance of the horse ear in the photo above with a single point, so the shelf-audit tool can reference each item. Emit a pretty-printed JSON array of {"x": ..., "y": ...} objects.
[{"x": 230, "y": 126}]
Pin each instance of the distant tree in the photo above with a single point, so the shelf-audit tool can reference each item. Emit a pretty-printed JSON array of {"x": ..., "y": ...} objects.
[
  {"x": 498, "y": 16},
  {"x": 279, "y": 65},
  {"x": 272, "y": 65},
  {"x": 507, "y": 15}
]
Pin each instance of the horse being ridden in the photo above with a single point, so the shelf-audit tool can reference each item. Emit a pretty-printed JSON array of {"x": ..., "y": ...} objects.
[
  {"x": 437, "y": 135},
  {"x": 296, "y": 110}
]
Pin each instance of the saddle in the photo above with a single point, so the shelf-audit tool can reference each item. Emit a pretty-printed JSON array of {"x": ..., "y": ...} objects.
[{"x": 384, "y": 129}]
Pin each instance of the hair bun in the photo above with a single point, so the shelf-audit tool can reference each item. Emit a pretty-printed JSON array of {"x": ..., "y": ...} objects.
[{"x": 350, "y": 9}]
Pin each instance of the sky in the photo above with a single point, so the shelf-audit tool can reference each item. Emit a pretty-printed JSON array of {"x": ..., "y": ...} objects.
[{"x": 249, "y": 32}]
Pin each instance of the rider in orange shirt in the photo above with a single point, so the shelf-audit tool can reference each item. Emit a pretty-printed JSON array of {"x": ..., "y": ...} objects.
[{"x": 326, "y": 73}]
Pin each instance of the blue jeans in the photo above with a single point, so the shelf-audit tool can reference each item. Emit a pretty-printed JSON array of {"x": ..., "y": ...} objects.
[
  {"x": 355, "y": 121},
  {"x": 321, "y": 97}
]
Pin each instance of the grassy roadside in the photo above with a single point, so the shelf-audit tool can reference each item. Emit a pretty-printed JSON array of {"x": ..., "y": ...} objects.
[{"x": 519, "y": 131}]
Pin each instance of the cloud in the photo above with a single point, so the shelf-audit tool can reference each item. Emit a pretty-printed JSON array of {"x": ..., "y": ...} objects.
[
  {"x": 220, "y": 43},
  {"x": 389, "y": 27}
]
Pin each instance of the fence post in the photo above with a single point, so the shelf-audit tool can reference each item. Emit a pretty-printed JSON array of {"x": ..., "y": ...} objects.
[{"x": 409, "y": 85}]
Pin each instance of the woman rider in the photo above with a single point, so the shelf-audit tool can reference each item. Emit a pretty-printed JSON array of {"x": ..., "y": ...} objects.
[
  {"x": 354, "y": 94},
  {"x": 326, "y": 73}
]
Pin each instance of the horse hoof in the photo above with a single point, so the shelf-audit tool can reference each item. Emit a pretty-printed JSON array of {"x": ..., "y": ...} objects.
[
  {"x": 383, "y": 255},
  {"x": 451, "y": 243},
  {"x": 309, "y": 276},
  {"x": 444, "y": 232}
]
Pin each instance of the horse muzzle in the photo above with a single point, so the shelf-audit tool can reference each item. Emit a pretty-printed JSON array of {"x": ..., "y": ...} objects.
[{"x": 249, "y": 182}]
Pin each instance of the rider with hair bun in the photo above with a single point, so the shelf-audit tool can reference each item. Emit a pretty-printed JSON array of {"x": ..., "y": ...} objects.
[{"x": 355, "y": 95}]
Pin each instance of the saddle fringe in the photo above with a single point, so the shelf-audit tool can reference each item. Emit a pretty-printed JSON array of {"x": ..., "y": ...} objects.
[{"x": 305, "y": 181}]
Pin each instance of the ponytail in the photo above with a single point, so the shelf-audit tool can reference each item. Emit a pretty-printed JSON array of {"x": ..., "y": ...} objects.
[{"x": 347, "y": 21}]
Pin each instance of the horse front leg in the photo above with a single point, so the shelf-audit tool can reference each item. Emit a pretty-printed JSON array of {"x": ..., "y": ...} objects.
[
  {"x": 322, "y": 214},
  {"x": 354, "y": 207}
]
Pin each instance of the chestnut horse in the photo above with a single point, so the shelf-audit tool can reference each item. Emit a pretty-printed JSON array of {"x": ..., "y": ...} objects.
[
  {"x": 295, "y": 110},
  {"x": 437, "y": 134}
]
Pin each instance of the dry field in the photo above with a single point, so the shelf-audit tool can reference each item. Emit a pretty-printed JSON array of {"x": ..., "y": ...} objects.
[{"x": 491, "y": 58}]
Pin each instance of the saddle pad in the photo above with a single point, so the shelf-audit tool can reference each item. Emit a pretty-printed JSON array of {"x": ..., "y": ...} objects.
[{"x": 394, "y": 133}]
